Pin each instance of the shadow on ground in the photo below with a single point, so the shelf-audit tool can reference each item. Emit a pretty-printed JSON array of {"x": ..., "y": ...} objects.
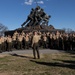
[
  {"x": 17, "y": 55},
  {"x": 66, "y": 61},
  {"x": 66, "y": 64}
]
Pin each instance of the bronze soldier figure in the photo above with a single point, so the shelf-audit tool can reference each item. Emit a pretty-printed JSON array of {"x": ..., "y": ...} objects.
[{"x": 29, "y": 18}]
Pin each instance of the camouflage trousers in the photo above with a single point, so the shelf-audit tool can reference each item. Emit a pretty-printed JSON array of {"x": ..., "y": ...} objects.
[{"x": 36, "y": 50}]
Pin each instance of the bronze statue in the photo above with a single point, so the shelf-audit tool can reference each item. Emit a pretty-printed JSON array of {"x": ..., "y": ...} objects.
[
  {"x": 29, "y": 18},
  {"x": 37, "y": 16}
]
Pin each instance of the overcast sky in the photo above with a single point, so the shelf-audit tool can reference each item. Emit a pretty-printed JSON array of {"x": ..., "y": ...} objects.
[{"x": 14, "y": 12}]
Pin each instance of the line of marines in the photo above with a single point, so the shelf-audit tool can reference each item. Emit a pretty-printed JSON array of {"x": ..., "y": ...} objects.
[{"x": 61, "y": 41}]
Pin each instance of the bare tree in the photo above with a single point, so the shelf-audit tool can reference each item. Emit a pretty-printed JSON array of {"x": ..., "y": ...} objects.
[
  {"x": 3, "y": 28},
  {"x": 68, "y": 30}
]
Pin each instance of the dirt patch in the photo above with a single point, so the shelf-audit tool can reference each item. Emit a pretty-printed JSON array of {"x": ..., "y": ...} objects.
[
  {"x": 4, "y": 74},
  {"x": 3, "y": 55}
]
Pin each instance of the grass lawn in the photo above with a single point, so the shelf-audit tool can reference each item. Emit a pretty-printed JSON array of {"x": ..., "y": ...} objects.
[{"x": 49, "y": 64}]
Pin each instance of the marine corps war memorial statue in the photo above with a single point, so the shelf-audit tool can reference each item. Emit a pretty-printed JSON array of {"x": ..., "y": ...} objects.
[{"x": 38, "y": 20}]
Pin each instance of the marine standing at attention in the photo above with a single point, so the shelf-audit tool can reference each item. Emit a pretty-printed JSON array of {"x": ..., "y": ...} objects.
[{"x": 35, "y": 44}]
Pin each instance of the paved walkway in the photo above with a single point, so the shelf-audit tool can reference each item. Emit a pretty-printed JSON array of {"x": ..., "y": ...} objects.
[{"x": 30, "y": 51}]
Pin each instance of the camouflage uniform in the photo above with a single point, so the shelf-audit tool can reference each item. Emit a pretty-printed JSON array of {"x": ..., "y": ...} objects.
[
  {"x": 0, "y": 45},
  {"x": 44, "y": 41},
  {"x": 67, "y": 42},
  {"x": 14, "y": 41},
  {"x": 57, "y": 41},
  {"x": 40, "y": 40},
  {"x": 73, "y": 44},
  {"x": 50, "y": 41},
  {"x": 27, "y": 41},
  {"x": 19, "y": 42},
  {"x": 35, "y": 45},
  {"x": 3, "y": 43},
  {"x": 54, "y": 41},
  {"x": 9, "y": 43},
  {"x": 70, "y": 42},
  {"x": 60, "y": 42},
  {"x": 64, "y": 41}
]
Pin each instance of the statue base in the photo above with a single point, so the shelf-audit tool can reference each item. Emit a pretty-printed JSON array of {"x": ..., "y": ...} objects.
[{"x": 41, "y": 28}]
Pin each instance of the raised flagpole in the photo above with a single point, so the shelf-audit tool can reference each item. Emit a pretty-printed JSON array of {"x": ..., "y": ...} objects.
[{"x": 36, "y": 2}]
